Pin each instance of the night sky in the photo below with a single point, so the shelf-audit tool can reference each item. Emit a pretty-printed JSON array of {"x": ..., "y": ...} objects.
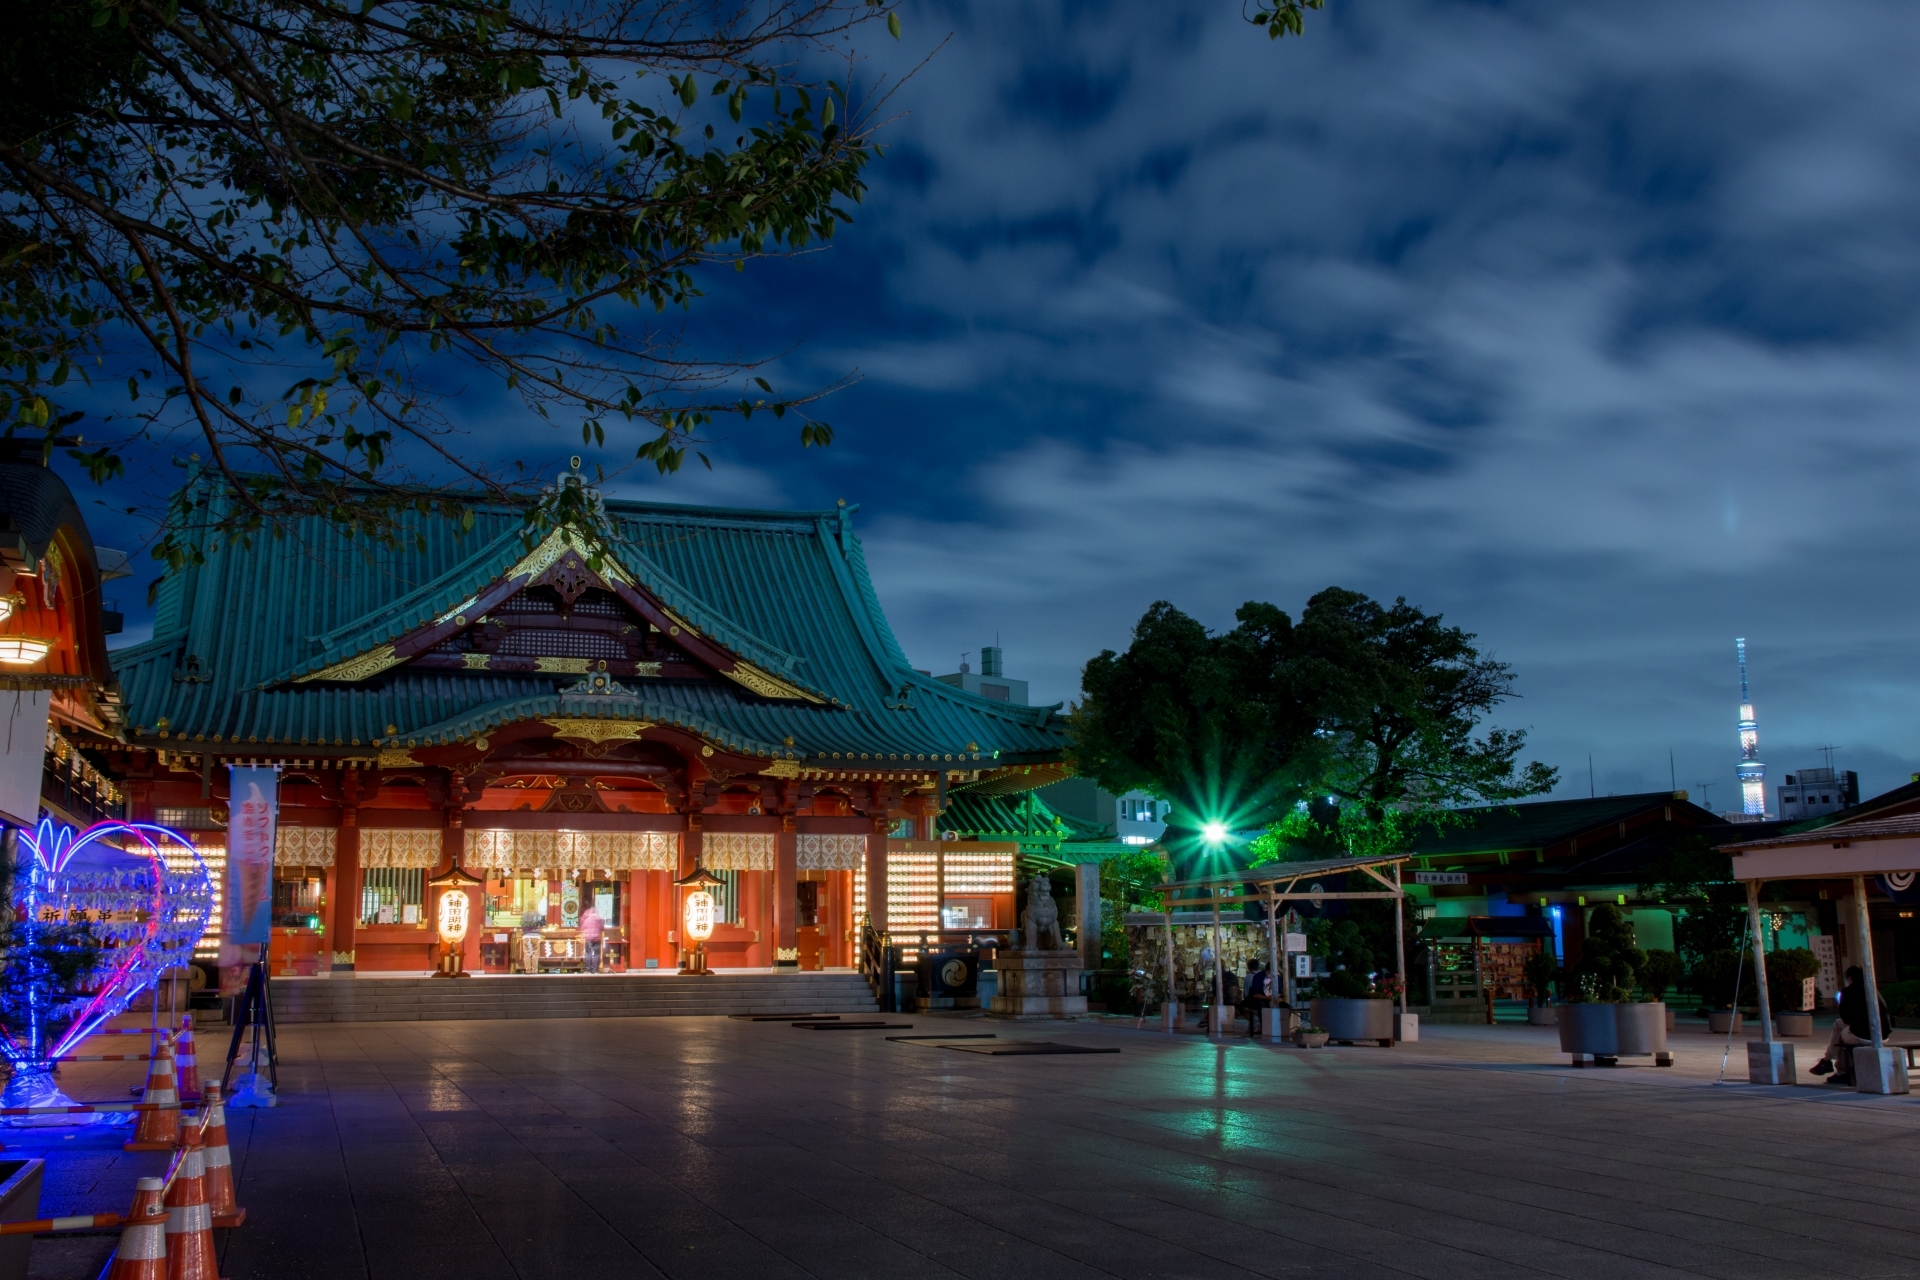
[{"x": 1589, "y": 326}]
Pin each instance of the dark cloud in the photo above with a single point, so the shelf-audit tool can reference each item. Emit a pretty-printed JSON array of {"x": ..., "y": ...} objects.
[{"x": 1592, "y": 327}]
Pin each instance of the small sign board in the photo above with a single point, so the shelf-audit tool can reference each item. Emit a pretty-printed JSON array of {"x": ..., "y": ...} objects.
[
  {"x": 1303, "y": 966},
  {"x": 1439, "y": 877},
  {"x": 1296, "y": 942}
]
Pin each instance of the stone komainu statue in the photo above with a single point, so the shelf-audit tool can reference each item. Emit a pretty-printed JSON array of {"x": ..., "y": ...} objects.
[{"x": 1043, "y": 918}]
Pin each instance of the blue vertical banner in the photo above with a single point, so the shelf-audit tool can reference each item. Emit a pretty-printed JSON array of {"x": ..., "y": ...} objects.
[{"x": 253, "y": 819}]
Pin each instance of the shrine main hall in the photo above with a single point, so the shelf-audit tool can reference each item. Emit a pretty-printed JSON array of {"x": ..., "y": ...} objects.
[{"x": 563, "y": 719}]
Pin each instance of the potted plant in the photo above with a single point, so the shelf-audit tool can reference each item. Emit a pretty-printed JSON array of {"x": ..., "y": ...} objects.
[
  {"x": 1308, "y": 1036},
  {"x": 1541, "y": 972},
  {"x": 1346, "y": 1002},
  {"x": 1720, "y": 978},
  {"x": 1787, "y": 974},
  {"x": 1661, "y": 970},
  {"x": 1603, "y": 1023}
]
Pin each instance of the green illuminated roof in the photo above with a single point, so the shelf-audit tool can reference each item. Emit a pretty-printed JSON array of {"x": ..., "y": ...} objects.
[{"x": 242, "y": 640}]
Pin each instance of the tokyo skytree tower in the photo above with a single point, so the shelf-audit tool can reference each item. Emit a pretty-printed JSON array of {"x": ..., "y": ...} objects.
[{"x": 1752, "y": 771}]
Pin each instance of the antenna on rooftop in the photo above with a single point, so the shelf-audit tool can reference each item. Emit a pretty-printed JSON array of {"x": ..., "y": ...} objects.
[
  {"x": 1828, "y": 751},
  {"x": 1706, "y": 800}
]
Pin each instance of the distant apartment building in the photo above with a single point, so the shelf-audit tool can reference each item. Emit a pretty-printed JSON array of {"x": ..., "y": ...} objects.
[{"x": 1810, "y": 793}]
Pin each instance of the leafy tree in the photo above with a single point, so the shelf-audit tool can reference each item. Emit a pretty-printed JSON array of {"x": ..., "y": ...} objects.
[
  {"x": 293, "y": 229},
  {"x": 1211, "y": 723},
  {"x": 1697, "y": 878},
  {"x": 1401, "y": 697},
  {"x": 1661, "y": 971},
  {"x": 1610, "y": 963},
  {"x": 1787, "y": 972},
  {"x": 1541, "y": 973}
]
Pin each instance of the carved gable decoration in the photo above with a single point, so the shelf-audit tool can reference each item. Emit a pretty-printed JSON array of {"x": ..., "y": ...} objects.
[{"x": 553, "y": 613}]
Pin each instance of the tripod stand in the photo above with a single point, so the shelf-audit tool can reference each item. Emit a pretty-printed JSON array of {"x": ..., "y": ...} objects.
[{"x": 253, "y": 1015}]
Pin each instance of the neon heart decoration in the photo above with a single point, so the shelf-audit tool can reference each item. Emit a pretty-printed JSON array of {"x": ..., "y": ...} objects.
[{"x": 143, "y": 893}]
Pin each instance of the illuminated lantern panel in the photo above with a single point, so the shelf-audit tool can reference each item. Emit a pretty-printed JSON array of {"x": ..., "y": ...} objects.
[
  {"x": 23, "y": 651},
  {"x": 913, "y": 893},
  {"x": 700, "y": 915},
  {"x": 454, "y": 912}
]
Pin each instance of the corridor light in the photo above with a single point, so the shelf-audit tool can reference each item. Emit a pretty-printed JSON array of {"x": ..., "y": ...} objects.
[{"x": 1214, "y": 833}]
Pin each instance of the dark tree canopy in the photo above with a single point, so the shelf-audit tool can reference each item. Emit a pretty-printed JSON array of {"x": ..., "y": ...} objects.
[
  {"x": 1211, "y": 723},
  {"x": 1337, "y": 734},
  {"x": 1401, "y": 696},
  {"x": 293, "y": 229}
]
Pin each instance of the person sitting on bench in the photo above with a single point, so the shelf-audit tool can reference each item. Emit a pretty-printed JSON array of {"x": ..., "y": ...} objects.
[{"x": 1851, "y": 1028}]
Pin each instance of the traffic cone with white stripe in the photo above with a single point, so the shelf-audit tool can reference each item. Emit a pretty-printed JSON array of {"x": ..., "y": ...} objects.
[
  {"x": 219, "y": 1161},
  {"x": 190, "y": 1254},
  {"x": 159, "y": 1130},
  {"x": 142, "y": 1254},
  {"x": 184, "y": 1066}
]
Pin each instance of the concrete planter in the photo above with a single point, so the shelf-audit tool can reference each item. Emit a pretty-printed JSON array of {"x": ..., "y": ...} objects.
[
  {"x": 1642, "y": 1027},
  {"x": 1355, "y": 1020},
  {"x": 1793, "y": 1024},
  {"x": 1543, "y": 1015},
  {"x": 1310, "y": 1039},
  {"x": 1721, "y": 1021},
  {"x": 1589, "y": 1030},
  {"x": 1604, "y": 1032}
]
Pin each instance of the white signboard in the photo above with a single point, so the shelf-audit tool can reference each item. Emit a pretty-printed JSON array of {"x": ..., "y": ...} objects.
[
  {"x": 1439, "y": 877},
  {"x": 1296, "y": 942},
  {"x": 23, "y": 751}
]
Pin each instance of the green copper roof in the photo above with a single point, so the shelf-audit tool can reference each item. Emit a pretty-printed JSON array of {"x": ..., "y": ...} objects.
[{"x": 787, "y": 592}]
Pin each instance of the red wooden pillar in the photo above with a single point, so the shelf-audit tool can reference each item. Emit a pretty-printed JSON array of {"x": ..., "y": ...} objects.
[
  {"x": 346, "y": 876},
  {"x": 877, "y": 876},
  {"x": 786, "y": 853},
  {"x": 633, "y": 915},
  {"x": 692, "y": 849}
]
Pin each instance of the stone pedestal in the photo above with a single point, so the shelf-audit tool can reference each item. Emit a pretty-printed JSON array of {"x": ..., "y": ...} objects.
[
  {"x": 1882, "y": 1071},
  {"x": 1038, "y": 984},
  {"x": 1770, "y": 1063}
]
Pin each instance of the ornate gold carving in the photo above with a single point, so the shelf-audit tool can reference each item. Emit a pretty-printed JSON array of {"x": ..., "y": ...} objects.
[
  {"x": 782, "y": 769},
  {"x": 679, "y": 624},
  {"x": 391, "y": 758},
  {"x": 650, "y": 669},
  {"x": 475, "y": 661},
  {"x": 456, "y": 612},
  {"x": 563, "y": 666},
  {"x": 706, "y": 751},
  {"x": 557, "y": 544},
  {"x": 600, "y": 730},
  {"x": 371, "y": 663},
  {"x": 767, "y": 686}
]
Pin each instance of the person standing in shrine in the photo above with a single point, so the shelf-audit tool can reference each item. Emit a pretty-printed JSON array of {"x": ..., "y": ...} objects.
[{"x": 591, "y": 926}]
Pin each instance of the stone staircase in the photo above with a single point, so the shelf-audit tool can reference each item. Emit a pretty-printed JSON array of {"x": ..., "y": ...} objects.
[{"x": 347, "y": 999}]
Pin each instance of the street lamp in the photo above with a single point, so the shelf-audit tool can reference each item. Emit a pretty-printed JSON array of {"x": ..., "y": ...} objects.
[
  {"x": 697, "y": 915},
  {"x": 1214, "y": 833}
]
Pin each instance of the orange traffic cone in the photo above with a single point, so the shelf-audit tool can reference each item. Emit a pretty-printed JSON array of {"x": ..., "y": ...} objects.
[
  {"x": 142, "y": 1254},
  {"x": 190, "y": 1253},
  {"x": 183, "y": 1062},
  {"x": 159, "y": 1130},
  {"x": 219, "y": 1161}
]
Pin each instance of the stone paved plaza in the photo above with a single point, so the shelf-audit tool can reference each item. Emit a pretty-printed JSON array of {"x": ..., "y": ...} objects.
[{"x": 710, "y": 1149}]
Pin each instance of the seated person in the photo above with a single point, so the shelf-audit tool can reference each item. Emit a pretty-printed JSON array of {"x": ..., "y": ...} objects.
[
  {"x": 1259, "y": 994},
  {"x": 1850, "y": 1028}
]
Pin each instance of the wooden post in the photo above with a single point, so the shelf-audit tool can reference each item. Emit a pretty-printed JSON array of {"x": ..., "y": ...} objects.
[
  {"x": 1273, "y": 961},
  {"x": 1399, "y": 938},
  {"x": 1865, "y": 929},
  {"x": 1219, "y": 983},
  {"x": 1170, "y": 1007},
  {"x": 1760, "y": 962}
]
